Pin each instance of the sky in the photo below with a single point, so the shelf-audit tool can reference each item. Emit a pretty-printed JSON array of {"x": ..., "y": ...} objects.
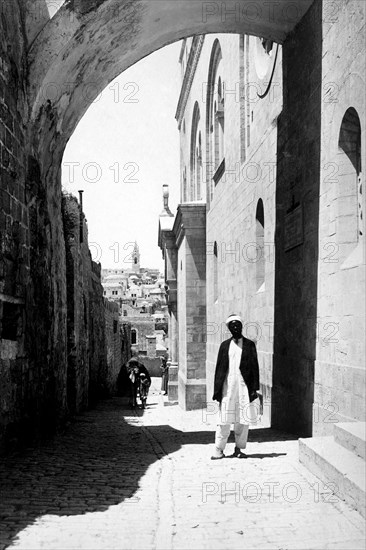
[{"x": 122, "y": 152}]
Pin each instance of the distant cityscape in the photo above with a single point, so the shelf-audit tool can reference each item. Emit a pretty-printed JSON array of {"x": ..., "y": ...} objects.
[{"x": 141, "y": 297}]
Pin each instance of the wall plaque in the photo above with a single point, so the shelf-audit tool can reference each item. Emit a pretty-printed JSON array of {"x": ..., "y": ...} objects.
[{"x": 294, "y": 232}]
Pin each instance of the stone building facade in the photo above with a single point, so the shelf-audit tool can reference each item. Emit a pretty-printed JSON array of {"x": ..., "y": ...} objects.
[{"x": 270, "y": 232}]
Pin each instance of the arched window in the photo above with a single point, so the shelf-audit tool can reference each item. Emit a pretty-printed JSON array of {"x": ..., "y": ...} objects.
[
  {"x": 184, "y": 185},
  {"x": 133, "y": 336},
  {"x": 350, "y": 217},
  {"x": 220, "y": 124},
  {"x": 199, "y": 167},
  {"x": 196, "y": 156},
  {"x": 259, "y": 240},
  {"x": 215, "y": 121},
  {"x": 216, "y": 280}
]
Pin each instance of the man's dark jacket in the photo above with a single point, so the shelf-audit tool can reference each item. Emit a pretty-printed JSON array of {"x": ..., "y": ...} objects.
[
  {"x": 142, "y": 369},
  {"x": 248, "y": 368}
]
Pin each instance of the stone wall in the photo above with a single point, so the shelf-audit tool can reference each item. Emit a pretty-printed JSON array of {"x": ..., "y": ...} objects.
[
  {"x": 144, "y": 326},
  {"x": 113, "y": 347},
  {"x": 97, "y": 342},
  {"x": 125, "y": 327},
  {"x": 94, "y": 336},
  {"x": 38, "y": 392},
  {"x": 78, "y": 271},
  {"x": 33, "y": 351},
  {"x": 151, "y": 363},
  {"x": 190, "y": 234},
  {"x": 297, "y": 187},
  {"x": 339, "y": 378},
  {"x": 319, "y": 345}
]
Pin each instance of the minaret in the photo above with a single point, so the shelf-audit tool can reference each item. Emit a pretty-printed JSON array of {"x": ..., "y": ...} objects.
[{"x": 136, "y": 259}]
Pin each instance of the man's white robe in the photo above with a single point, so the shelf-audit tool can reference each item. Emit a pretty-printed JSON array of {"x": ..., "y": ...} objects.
[{"x": 235, "y": 406}]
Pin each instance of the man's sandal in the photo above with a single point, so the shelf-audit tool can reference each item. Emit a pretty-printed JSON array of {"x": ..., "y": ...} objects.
[
  {"x": 218, "y": 454},
  {"x": 238, "y": 453}
]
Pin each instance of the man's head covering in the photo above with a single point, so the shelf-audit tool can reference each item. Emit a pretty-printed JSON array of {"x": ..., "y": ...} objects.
[{"x": 233, "y": 317}]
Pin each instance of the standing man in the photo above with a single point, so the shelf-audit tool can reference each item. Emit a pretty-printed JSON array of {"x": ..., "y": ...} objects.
[
  {"x": 164, "y": 376},
  {"x": 235, "y": 387}
]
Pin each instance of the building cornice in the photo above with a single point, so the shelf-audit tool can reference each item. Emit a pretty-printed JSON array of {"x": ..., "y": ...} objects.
[
  {"x": 190, "y": 71},
  {"x": 164, "y": 234},
  {"x": 186, "y": 219}
]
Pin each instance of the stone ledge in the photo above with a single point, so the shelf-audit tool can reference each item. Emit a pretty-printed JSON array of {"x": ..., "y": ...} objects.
[{"x": 339, "y": 467}]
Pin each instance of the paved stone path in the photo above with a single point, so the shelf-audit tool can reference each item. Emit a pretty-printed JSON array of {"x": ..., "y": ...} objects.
[{"x": 121, "y": 479}]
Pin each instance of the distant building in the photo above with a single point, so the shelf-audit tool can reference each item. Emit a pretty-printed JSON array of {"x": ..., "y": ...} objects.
[{"x": 140, "y": 294}]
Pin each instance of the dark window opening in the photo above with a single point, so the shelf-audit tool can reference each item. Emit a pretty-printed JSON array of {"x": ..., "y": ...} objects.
[
  {"x": 10, "y": 321},
  {"x": 350, "y": 217},
  {"x": 259, "y": 237}
]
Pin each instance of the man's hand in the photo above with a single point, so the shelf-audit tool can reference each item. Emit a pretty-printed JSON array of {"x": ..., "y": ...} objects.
[{"x": 253, "y": 395}]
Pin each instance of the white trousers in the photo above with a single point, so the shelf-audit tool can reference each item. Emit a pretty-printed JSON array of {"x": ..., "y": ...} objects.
[{"x": 223, "y": 431}]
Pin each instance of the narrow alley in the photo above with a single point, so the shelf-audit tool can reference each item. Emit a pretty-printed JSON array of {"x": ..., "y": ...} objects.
[{"x": 122, "y": 479}]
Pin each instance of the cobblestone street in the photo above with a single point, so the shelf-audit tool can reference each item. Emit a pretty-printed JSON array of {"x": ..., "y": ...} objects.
[{"x": 122, "y": 479}]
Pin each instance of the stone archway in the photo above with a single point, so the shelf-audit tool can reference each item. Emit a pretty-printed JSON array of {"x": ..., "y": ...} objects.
[
  {"x": 73, "y": 56},
  {"x": 87, "y": 44},
  {"x": 70, "y": 59}
]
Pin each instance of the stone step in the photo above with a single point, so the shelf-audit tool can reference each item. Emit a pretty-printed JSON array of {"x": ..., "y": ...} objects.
[
  {"x": 339, "y": 467},
  {"x": 352, "y": 436}
]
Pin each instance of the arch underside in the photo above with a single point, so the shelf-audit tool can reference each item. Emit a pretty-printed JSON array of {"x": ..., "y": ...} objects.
[{"x": 87, "y": 44}]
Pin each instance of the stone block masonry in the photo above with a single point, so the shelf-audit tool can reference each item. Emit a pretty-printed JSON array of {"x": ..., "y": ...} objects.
[
  {"x": 36, "y": 399},
  {"x": 97, "y": 341},
  {"x": 125, "y": 327},
  {"x": 17, "y": 400},
  {"x": 53, "y": 354},
  {"x": 297, "y": 182},
  {"x": 113, "y": 342},
  {"x": 78, "y": 271},
  {"x": 94, "y": 336}
]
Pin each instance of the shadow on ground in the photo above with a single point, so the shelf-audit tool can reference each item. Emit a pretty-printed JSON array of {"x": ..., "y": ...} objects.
[
  {"x": 96, "y": 464},
  {"x": 259, "y": 455},
  {"x": 260, "y": 435}
]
